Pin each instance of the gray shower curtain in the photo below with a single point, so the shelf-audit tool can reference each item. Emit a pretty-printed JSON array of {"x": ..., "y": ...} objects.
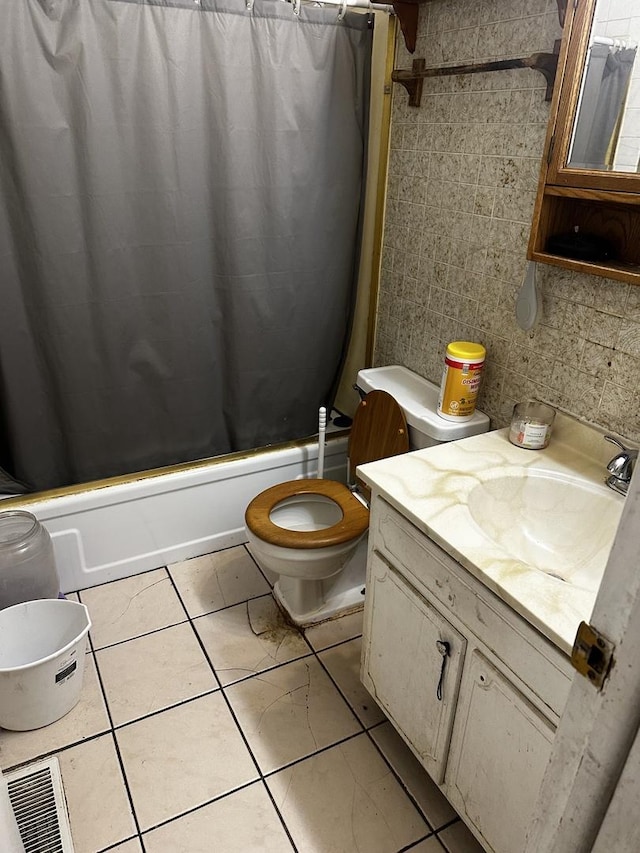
[
  {"x": 180, "y": 193},
  {"x": 604, "y": 94}
]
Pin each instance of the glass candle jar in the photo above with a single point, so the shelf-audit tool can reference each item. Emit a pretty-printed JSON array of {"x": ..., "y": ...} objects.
[
  {"x": 27, "y": 565},
  {"x": 531, "y": 424}
]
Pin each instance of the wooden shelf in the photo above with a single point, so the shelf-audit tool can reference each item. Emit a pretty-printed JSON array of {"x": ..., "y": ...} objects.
[
  {"x": 614, "y": 270},
  {"x": 612, "y": 216},
  {"x": 607, "y": 196}
]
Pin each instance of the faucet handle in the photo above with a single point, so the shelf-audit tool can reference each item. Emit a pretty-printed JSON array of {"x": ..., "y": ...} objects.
[{"x": 621, "y": 466}]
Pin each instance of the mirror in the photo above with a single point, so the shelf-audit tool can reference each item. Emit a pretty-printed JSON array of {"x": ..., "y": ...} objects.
[{"x": 606, "y": 131}]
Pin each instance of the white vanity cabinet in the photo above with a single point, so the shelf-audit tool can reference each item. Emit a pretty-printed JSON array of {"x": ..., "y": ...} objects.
[{"x": 486, "y": 736}]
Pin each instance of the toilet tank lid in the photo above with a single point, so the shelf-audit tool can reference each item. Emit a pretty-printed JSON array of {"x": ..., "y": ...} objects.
[{"x": 419, "y": 400}]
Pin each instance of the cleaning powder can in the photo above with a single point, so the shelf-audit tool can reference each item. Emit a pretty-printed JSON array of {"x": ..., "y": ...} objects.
[{"x": 461, "y": 378}]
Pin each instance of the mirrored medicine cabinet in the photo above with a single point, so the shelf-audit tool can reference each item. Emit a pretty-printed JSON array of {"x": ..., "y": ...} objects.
[{"x": 587, "y": 213}]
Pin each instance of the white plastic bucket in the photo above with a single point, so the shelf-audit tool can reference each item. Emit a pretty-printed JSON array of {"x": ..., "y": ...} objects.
[{"x": 42, "y": 651}]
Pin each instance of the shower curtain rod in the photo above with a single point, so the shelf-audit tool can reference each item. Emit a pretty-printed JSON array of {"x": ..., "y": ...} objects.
[
  {"x": 358, "y": 4},
  {"x": 622, "y": 44},
  {"x": 344, "y": 4}
]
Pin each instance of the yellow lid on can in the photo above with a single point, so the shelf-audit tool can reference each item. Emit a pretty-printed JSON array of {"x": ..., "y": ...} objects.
[{"x": 466, "y": 351}]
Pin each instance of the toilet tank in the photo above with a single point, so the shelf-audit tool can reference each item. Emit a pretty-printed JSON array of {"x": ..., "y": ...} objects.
[{"x": 419, "y": 399}]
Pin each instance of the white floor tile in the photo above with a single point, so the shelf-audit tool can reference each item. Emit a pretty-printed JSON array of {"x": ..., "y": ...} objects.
[
  {"x": 218, "y": 580},
  {"x": 133, "y": 606},
  {"x": 88, "y": 718},
  {"x": 290, "y": 712},
  {"x": 249, "y": 638},
  {"x": 242, "y": 822},
  {"x": 335, "y": 630},
  {"x": 99, "y": 810},
  {"x": 343, "y": 662},
  {"x": 422, "y": 788},
  {"x": 183, "y": 757},
  {"x": 153, "y": 672},
  {"x": 344, "y": 800}
]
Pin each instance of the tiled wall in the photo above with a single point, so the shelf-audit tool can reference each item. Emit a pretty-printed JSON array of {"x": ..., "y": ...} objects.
[{"x": 462, "y": 182}]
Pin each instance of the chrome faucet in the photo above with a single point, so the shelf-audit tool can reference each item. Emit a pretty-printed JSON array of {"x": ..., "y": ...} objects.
[{"x": 621, "y": 467}]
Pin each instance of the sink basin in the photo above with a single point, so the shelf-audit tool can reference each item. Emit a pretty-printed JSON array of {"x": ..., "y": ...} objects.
[{"x": 562, "y": 527}]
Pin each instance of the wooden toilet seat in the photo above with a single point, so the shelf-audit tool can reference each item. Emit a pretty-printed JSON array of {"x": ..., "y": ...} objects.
[
  {"x": 379, "y": 430},
  {"x": 354, "y": 521}
]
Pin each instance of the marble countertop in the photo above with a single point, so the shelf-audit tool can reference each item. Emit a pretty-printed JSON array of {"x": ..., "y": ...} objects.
[{"x": 433, "y": 488}]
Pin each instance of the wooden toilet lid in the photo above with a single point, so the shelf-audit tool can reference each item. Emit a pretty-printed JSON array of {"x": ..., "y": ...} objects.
[
  {"x": 379, "y": 430},
  {"x": 354, "y": 521}
]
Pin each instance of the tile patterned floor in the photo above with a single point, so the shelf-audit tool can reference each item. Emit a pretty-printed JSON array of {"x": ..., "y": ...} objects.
[{"x": 207, "y": 723}]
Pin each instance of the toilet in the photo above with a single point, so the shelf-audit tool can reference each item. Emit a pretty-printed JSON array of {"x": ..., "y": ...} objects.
[{"x": 311, "y": 533}]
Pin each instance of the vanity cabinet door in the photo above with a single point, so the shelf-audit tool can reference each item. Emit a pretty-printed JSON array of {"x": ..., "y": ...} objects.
[
  {"x": 404, "y": 637},
  {"x": 499, "y": 750}
]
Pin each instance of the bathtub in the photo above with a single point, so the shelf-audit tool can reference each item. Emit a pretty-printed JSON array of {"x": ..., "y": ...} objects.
[{"x": 128, "y": 525}]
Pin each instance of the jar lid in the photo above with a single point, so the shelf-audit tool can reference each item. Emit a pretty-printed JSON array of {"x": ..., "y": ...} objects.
[{"x": 466, "y": 351}]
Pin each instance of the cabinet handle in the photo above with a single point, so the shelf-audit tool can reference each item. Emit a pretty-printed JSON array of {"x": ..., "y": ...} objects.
[{"x": 445, "y": 650}]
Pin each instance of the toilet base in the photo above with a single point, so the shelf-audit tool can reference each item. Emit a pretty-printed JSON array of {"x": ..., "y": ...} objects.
[{"x": 307, "y": 602}]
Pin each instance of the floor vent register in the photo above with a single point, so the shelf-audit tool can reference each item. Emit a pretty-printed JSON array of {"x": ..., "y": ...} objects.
[{"x": 37, "y": 799}]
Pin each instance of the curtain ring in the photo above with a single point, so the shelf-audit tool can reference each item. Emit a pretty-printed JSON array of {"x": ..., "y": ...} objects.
[
  {"x": 343, "y": 10},
  {"x": 249, "y": 5},
  {"x": 296, "y": 7}
]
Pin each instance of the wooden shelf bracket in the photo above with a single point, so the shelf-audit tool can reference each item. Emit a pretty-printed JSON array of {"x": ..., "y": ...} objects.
[{"x": 545, "y": 63}]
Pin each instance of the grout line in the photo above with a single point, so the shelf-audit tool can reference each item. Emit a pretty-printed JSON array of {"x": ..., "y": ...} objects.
[
  {"x": 401, "y": 781},
  {"x": 114, "y": 739},
  {"x": 338, "y": 688},
  {"x": 449, "y": 823},
  {"x": 171, "y": 707},
  {"x": 118, "y": 843},
  {"x": 322, "y": 749},
  {"x": 280, "y": 816},
  {"x": 164, "y": 566},
  {"x": 199, "y": 806},
  {"x": 414, "y": 844},
  {"x": 263, "y": 671},
  {"x": 253, "y": 560},
  {"x": 117, "y": 580},
  {"x": 126, "y": 785},
  {"x": 226, "y": 606},
  {"x": 235, "y": 719},
  {"x": 213, "y": 670},
  {"x": 331, "y": 645},
  {"x": 56, "y": 751},
  {"x": 139, "y": 636}
]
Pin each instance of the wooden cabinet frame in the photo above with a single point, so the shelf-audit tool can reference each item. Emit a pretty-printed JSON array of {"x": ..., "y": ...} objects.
[{"x": 606, "y": 204}]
